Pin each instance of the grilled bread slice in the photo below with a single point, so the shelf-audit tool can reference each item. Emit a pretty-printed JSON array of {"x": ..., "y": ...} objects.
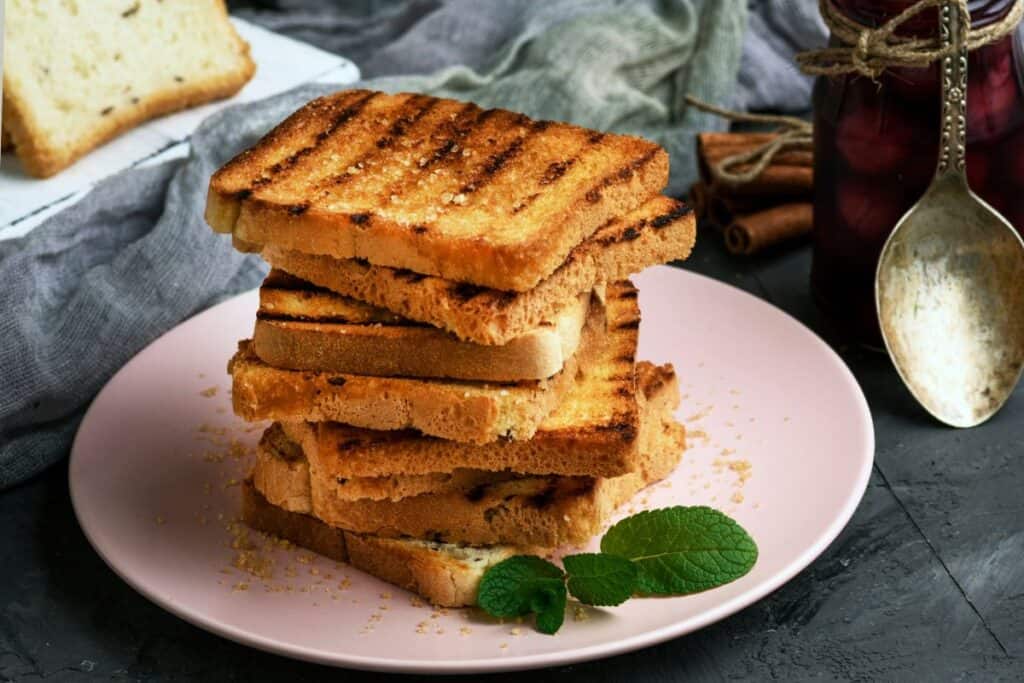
[
  {"x": 592, "y": 433},
  {"x": 475, "y": 412},
  {"x": 76, "y": 78},
  {"x": 279, "y": 454},
  {"x": 531, "y": 510},
  {"x": 445, "y": 574},
  {"x": 435, "y": 186},
  {"x": 303, "y": 327},
  {"x": 662, "y": 230}
]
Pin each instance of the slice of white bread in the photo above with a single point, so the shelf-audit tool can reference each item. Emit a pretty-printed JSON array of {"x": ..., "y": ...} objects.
[
  {"x": 437, "y": 186},
  {"x": 527, "y": 511},
  {"x": 77, "y": 72},
  {"x": 445, "y": 574},
  {"x": 661, "y": 230},
  {"x": 460, "y": 410},
  {"x": 300, "y": 326}
]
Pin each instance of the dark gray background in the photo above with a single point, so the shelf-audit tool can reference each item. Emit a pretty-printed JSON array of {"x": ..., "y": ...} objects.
[{"x": 925, "y": 583}]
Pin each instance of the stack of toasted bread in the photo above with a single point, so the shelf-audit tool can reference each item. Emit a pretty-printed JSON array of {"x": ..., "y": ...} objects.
[{"x": 446, "y": 343}]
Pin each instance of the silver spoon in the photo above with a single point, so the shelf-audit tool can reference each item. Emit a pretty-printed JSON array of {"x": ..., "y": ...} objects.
[{"x": 950, "y": 281}]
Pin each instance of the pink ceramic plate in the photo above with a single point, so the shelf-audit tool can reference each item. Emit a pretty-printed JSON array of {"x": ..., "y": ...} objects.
[{"x": 780, "y": 437}]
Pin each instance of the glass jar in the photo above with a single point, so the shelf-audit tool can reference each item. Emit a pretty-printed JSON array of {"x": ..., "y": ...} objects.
[{"x": 876, "y": 147}]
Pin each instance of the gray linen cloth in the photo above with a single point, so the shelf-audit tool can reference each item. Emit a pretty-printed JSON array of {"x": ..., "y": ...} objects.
[{"x": 93, "y": 285}]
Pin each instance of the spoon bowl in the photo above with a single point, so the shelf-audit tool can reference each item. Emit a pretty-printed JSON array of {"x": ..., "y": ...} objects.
[{"x": 950, "y": 297}]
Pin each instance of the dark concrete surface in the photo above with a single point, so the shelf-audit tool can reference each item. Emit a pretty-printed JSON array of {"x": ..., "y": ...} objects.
[{"x": 926, "y": 583}]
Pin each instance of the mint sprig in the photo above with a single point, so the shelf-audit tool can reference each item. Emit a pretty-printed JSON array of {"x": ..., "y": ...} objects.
[
  {"x": 524, "y": 584},
  {"x": 671, "y": 551},
  {"x": 682, "y": 550}
]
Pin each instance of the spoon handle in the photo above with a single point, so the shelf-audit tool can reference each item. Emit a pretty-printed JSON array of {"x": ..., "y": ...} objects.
[{"x": 954, "y": 90}]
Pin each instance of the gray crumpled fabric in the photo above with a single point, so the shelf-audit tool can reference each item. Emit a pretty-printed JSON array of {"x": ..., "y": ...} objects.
[
  {"x": 769, "y": 78},
  {"x": 93, "y": 285}
]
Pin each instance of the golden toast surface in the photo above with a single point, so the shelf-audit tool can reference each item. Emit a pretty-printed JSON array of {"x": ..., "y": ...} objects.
[
  {"x": 662, "y": 230},
  {"x": 544, "y": 511},
  {"x": 303, "y": 327},
  {"x": 435, "y": 186}
]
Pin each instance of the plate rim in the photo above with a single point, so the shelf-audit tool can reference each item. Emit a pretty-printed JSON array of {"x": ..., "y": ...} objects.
[{"x": 523, "y": 662}]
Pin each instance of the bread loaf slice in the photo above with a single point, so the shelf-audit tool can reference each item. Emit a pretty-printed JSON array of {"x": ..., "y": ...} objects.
[
  {"x": 303, "y": 327},
  {"x": 661, "y": 230},
  {"x": 78, "y": 73},
  {"x": 436, "y": 186},
  {"x": 525, "y": 511},
  {"x": 445, "y": 574},
  {"x": 283, "y": 475},
  {"x": 475, "y": 412},
  {"x": 538, "y": 511},
  {"x": 592, "y": 433}
]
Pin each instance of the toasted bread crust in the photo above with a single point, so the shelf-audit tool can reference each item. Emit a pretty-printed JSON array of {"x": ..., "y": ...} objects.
[
  {"x": 285, "y": 481},
  {"x": 42, "y": 159},
  {"x": 437, "y": 573},
  {"x": 474, "y": 412},
  {"x": 662, "y": 230},
  {"x": 435, "y": 186},
  {"x": 592, "y": 433},
  {"x": 301, "y": 529},
  {"x": 432, "y": 574},
  {"x": 540, "y": 511},
  {"x": 302, "y": 327}
]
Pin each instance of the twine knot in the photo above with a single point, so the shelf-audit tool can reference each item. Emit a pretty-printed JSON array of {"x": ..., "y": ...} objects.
[
  {"x": 739, "y": 169},
  {"x": 868, "y": 51}
]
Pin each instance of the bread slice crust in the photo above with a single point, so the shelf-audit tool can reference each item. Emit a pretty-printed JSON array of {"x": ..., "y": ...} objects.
[
  {"x": 446, "y": 575},
  {"x": 303, "y": 327},
  {"x": 592, "y": 433},
  {"x": 526, "y": 511},
  {"x": 438, "y": 187},
  {"x": 43, "y": 157},
  {"x": 475, "y": 412},
  {"x": 662, "y": 230}
]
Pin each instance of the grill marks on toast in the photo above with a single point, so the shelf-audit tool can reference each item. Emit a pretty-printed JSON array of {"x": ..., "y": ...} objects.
[
  {"x": 491, "y": 316},
  {"x": 284, "y": 299},
  {"x": 349, "y": 136},
  {"x": 414, "y": 118},
  {"x": 623, "y": 174},
  {"x": 438, "y": 184},
  {"x": 594, "y": 431},
  {"x": 496, "y": 162},
  {"x": 608, "y": 235},
  {"x": 327, "y": 126},
  {"x": 410, "y": 181}
]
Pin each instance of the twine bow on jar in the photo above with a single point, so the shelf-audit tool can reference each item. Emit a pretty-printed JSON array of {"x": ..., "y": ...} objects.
[
  {"x": 863, "y": 50},
  {"x": 868, "y": 51}
]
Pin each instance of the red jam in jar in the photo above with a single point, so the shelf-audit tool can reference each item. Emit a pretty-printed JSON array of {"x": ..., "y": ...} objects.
[{"x": 876, "y": 147}]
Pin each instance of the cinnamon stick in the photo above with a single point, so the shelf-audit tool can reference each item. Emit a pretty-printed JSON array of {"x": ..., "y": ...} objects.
[
  {"x": 713, "y": 147},
  {"x": 753, "y": 232},
  {"x": 722, "y": 209},
  {"x": 698, "y": 197},
  {"x": 790, "y": 174}
]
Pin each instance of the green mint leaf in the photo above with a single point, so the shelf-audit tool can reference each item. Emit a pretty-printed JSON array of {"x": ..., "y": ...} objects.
[
  {"x": 682, "y": 550},
  {"x": 524, "y": 584},
  {"x": 552, "y": 610},
  {"x": 599, "y": 579}
]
